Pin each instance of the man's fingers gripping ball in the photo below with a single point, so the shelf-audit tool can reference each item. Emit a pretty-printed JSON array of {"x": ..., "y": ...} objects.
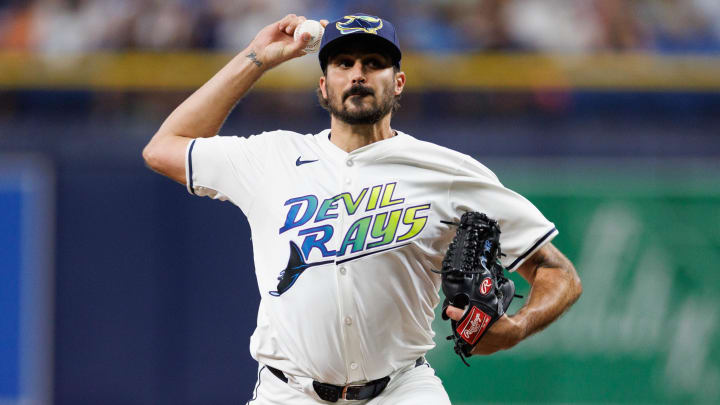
[
  {"x": 289, "y": 22},
  {"x": 311, "y": 32}
]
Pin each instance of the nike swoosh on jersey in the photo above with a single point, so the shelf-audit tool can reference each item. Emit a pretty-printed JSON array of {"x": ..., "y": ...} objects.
[{"x": 299, "y": 162}]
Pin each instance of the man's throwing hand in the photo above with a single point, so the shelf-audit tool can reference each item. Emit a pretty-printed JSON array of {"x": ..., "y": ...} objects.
[{"x": 275, "y": 44}]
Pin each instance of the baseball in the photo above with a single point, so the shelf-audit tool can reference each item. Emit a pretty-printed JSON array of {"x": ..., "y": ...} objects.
[{"x": 315, "y": 29}]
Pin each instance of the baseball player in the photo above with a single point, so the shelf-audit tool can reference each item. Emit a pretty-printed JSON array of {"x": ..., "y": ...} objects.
[{"x": 347, "y": 224}]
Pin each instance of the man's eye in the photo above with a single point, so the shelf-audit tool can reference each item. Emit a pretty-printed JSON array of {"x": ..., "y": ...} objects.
[{"x": 376, "y": 63}]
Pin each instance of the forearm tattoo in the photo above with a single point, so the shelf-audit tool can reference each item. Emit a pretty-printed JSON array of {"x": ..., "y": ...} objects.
[{"x": 253, "y": 57}]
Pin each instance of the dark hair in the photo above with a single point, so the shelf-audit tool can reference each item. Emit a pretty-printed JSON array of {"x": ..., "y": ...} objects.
[{"x": 324, "y": 102}]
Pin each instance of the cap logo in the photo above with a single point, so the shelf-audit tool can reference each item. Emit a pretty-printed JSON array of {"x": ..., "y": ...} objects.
[{"x": 359, "y": 23}]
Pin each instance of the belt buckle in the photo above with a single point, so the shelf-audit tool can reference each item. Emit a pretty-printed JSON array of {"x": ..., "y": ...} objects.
[{"x": 345, "y": 388}]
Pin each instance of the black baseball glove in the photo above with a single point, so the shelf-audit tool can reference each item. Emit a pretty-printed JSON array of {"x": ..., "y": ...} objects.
[{"x": 473, "y": 278}]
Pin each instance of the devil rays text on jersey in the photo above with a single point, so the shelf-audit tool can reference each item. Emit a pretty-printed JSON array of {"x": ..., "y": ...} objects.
[{"x": 383, "y": 223}]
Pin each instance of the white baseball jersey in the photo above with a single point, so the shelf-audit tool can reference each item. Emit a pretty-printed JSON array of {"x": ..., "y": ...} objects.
[{"x": 344, "y": 242}]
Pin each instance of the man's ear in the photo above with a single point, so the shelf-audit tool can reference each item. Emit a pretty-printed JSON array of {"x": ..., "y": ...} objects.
[
  {"x": 323, "y": 89},
  {"x": 399, "y": 82}
]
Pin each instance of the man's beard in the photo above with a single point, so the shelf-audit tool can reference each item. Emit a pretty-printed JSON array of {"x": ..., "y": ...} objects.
[{"x": 365, "y": 115}]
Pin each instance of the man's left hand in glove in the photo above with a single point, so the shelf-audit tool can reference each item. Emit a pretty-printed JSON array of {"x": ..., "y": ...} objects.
[{"x": 554, "y": 287}]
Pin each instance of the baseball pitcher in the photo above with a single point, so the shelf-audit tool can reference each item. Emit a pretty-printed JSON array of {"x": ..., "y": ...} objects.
[{"x": 356, "y": 228}]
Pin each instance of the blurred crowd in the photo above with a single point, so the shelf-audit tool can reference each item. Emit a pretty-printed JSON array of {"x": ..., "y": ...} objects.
[{"x": 431, "y": 25}]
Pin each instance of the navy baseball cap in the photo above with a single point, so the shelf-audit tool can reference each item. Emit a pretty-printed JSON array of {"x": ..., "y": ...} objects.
[{"x": 359, "y": 27}]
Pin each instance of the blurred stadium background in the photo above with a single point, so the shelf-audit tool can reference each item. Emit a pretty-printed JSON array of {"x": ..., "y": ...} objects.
[{"x": 116, "y": 287}]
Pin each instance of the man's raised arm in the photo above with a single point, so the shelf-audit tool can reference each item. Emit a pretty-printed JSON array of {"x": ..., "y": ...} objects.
[{"x": 203, "y": 113}]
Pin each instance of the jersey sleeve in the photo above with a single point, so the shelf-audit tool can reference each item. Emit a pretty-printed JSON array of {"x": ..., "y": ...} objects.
[
  {"x": 523, "y": 228},
  {"x": 225, "y": 168}
]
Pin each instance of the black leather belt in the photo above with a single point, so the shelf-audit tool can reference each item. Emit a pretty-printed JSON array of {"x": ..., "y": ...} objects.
[{"x": 331, "y": 392}]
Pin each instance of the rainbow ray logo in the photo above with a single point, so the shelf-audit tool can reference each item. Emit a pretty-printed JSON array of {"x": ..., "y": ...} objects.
[{"x": 359, "y": 23}]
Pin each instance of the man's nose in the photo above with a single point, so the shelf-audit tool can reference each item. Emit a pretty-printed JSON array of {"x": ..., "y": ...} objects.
[{"x": 358, "y": 73}]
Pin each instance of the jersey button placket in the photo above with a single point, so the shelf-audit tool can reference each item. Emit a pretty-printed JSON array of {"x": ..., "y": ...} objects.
[{"x": 351, "y": 338}]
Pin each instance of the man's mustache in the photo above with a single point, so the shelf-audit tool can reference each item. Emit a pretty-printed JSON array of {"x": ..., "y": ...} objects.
[{"x": 358, "y": 90}]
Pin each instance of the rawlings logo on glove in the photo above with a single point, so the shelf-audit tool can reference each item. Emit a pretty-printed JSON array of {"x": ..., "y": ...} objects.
[
  {"x": 478, "y": 321},
  {"x": 485, "y": 286},
  {"x": 473, "y": 278}
]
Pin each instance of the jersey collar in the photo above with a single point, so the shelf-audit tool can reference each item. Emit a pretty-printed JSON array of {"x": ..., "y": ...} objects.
[{"x": 339, "y": 154}]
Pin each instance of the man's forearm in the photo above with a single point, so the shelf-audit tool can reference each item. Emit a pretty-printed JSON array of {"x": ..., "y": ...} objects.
[
  {"x": 203, "y": 113},
  {"x": 555, "y": 286}
]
